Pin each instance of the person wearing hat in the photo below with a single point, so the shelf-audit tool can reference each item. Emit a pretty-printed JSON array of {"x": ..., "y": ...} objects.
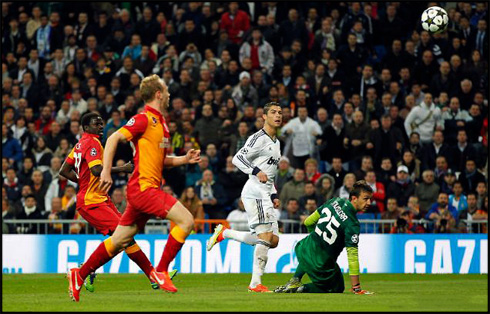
[
  {"x": 244, "y": 93},
  {"x": 447, "y": 183},
  {"x": 402, "y": 188}
]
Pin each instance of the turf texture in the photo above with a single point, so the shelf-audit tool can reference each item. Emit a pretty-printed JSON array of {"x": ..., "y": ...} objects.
[{"x": 228, "y": 292}]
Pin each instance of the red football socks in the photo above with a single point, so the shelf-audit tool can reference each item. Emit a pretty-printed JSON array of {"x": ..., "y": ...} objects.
[
  {"x": 175, "y": 242},
  {"x": 136, "y": 255},
  {"x": 104, "y": 253}
]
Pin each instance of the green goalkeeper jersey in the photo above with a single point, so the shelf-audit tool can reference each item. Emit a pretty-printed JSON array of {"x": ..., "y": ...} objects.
[{"x": 337, "y": 227}]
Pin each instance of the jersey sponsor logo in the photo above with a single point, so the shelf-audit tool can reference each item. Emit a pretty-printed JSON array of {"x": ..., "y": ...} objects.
[
  {"x": 93, "y": 152},
  {"x": 131, "y": 122},
  {"x": 355, "y": 238},
  {"x": 273, "y": 161},
  {"x": 339, "y": 211}
]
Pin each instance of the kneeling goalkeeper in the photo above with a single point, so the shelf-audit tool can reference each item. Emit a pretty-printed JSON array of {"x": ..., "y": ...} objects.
[{"x": 332, "y": 227}]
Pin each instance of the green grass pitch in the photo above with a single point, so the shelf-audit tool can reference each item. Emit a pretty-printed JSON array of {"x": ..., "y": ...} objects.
[{"x": 228, "y": 292}]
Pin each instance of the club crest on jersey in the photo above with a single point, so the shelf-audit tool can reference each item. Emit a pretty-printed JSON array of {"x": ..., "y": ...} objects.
[
  {"x": 131, "y": 122},
  {"x": 355, "y": 238},
  {"x": 78, "y": 146},
  {"x": 93, "y": 152},
  {"x": 154, "y": 120}
]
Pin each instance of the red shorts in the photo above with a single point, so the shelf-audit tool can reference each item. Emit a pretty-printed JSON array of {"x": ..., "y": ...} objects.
[
  {"x": 104, "y": 217},
  {"x": 143, "y": 205}
]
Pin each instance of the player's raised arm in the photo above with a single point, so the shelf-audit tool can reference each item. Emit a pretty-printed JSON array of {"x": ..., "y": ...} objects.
[{"x": 193, "y": 156}]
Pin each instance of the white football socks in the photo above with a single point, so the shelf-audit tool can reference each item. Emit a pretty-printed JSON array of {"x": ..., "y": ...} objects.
[
  {"x": 260, "y": 260},
  {"x": 241, "y": 236}
]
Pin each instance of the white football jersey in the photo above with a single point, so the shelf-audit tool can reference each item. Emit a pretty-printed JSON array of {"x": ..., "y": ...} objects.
[{"x": 259, "y": 152}]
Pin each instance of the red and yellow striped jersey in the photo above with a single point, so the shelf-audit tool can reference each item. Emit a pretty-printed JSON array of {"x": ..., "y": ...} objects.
[
  {"x": 87, "y": 153},
  {"x": 150, "y": 140}
]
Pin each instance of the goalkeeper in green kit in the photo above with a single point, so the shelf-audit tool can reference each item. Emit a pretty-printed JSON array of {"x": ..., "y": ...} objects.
[{"x": 332, "y": 227}]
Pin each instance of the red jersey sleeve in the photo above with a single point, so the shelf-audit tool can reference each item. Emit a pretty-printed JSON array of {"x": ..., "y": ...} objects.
[
  {"x": 70, "y": 159},
  {"x": 135, "y": 127},
  {"x": 92, "y": 153}
]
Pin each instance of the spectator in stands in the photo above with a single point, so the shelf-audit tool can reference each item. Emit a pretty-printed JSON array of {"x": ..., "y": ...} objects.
[
  {"x": 348, "y": 183},
  {"x": 53, "y": 171},
  {"x": 7, "y": 213},
  {"x": 472, "y": 212},
  {"x": 238, "y": 218},
  {"x": 436, "y": 148},
  {"x": 195, "y": 206},
  {"x": 412, "y": 163},
  {"x": 462, "y": 151},
  {"x": 233, "y": 179},
  {"x": 331, "y": 142},
  {"x": 39, "y": 188},
  {"x": 424, "y": 119},
  {"x": 119, "y": 200},
  {"x": 470, "y": 177},
  {"x": 366, "y": 165},
  {"x": 291, "y": 213},
  {"x": 55, "y": 189},
  {"x": 310, "y": 193},
  {"x": 260, "y": 52},
  {"x": 443, "y": 214},
  {"x": 11, "y": 148},
  {"x": 447, "y": 183},
  {"x": 402, "y": 188},
  {"x": 235, "y": 22},
  {"x": 427, "y": 191},
  {"x": 284, "y": 174},
  {"x": 244, "y": 93},
  {"x": 481, "y": 193},
  {"x": 458, "y": 199},
  {"x": 392, "y": 212},
  {"x": 454, "y": 119},
  {"x": 30, "y": 212},
  {"x": 386, "y": 141},
  {"x": 325, "y": 186},
  {"x": 25, "y": 172},
  {"x": 12, "y": 185},
  {"x": 414, "y": 207},
  {"x": 206, "y": 126},
  {"x": 311, "y": 170},
  {"x": 379, "y": 194},
  {"x": 293, "y": 188},
  {"x": 337, "y": 172},
  {"x": 42, "y": 154},
  {"x": 212, "y": 195},
  {"x": 303, "y": 131},
  {"x": 55, "y": 214},
  {"x": 356, "y": 138}
]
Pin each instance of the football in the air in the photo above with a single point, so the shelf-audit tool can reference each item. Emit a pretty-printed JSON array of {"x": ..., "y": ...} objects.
[{"x": 434, "y": 20}]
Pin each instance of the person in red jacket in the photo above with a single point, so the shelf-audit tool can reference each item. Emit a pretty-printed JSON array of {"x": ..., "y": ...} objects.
[
  {"x": 379, "y": 194},
  {"x": 235, "y": 22}
]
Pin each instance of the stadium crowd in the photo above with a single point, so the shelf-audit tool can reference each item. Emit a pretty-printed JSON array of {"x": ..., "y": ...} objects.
[{"x": 366, "y": 94}]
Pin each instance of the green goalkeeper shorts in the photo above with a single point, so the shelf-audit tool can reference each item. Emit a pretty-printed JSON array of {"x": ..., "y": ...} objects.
[{"x": 330, "y": 281}]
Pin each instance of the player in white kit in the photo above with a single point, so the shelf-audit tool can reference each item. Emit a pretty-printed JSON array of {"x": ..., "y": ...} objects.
[{"x": 259, "y": 158}]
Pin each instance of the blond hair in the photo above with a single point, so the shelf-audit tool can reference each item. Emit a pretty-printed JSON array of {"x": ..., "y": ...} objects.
[{"x": 149, "y": 86}]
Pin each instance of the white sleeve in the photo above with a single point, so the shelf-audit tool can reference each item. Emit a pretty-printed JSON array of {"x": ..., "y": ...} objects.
[
  {"x": 408, "y": 121},
  {"x": 244, "y": 158}
]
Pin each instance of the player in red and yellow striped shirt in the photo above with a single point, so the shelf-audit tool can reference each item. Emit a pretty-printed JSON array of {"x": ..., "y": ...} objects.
[
  {"x": 150, "y": 139},
  {"x": 84, "y": 165}
]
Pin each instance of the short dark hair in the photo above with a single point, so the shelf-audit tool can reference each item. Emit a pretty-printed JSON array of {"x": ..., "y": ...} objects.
[
  {"x": 292, "y": 199},
  {"x": 31, "y": 196},
  {"x": 359, "y": 187},
  {"x": 268, "y": 106},
  {"x": 87, "y": 118}
]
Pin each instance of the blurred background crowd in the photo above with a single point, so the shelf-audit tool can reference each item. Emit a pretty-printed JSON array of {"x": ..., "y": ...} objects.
[{"x": 366, "y": 94}]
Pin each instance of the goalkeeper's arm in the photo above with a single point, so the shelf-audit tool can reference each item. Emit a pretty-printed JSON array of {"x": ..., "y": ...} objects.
[
  {"x": 311, "y": 221},
  {"x": 353, "y": 258}
]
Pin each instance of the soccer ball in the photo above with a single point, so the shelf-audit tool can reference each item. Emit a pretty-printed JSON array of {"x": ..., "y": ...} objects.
[{"x": 434, "y": 20}]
